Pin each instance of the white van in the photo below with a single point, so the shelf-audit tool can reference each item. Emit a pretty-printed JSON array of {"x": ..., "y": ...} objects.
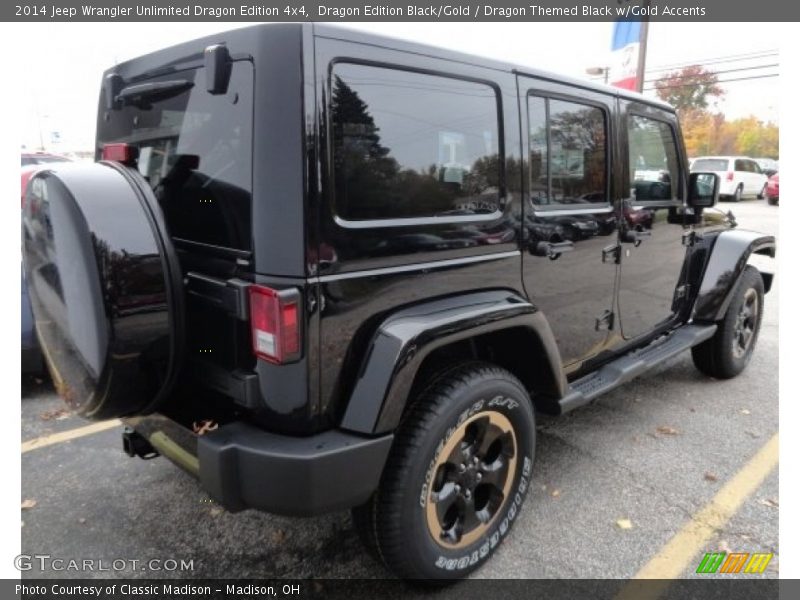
[{"x": 739, "y": 176}]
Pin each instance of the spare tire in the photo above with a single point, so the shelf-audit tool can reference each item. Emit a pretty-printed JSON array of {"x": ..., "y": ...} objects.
[{"x": 105, "y": 288}]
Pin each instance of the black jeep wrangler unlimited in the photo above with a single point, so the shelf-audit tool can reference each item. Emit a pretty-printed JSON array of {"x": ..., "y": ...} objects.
[{"x": 320, "y": 269}]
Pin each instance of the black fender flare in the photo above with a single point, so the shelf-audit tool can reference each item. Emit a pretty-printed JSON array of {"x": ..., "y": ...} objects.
[
  {"x": 728, "y": 258},
  {"x": 406, "y": 337}
]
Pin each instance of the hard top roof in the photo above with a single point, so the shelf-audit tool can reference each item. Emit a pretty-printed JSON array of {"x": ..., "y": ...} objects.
[{"x": 192, "y": 50}]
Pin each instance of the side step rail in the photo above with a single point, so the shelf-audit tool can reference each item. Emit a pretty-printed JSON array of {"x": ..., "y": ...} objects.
[{"x": 625, "y": 368}]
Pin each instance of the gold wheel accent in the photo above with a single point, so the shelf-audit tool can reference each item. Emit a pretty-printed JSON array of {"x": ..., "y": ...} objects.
[
  {"x": 471, "y": 479},
  {"x": 746, "y": 324}
]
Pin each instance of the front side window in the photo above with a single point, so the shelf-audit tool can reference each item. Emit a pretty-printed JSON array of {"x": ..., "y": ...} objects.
[
  {"x": 653, "y": 160},
  {"x": 567, "y": 152},
  {"x": 408, "y": 145}
]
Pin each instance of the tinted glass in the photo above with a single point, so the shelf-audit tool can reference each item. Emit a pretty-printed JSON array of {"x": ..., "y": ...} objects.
[
  {"x": 537, "y": 149},
  {"x": 754, "y": 166},
  {"x": 739, "y": 165},
  {"x": 653, "y": 157},
  {"x": 195, "y": 150},
  {"x": 710, "y": 164},
  {"x": 567, "y": 145},
  {"x": 412, "y": 145}
]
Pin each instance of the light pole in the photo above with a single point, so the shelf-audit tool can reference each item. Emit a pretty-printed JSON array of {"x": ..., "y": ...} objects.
[{"x": 597, "y": 71}]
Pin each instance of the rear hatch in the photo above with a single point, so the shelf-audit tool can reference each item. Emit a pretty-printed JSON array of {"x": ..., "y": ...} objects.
[
  {"x": 195, "y": 151},
  {"x": 147, "y": 278},
  {"x": 139, "y": 264}
]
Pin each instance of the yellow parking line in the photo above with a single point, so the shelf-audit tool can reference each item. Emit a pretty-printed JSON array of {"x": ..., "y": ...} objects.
[
  {"x": 63, "y": 436},
  {"x": 676, "y": 555}
]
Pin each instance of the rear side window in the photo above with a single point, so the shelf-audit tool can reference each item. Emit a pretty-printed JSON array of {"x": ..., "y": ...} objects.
[
  {"x": 710, "y": 164},
  {"x": 411, "y": 145},
  {"x": 740, "y": 165},
  {"x": 567, "y": 153},
  {"x": 653, "y": 160},
  {"x": 195, "y": 150}
]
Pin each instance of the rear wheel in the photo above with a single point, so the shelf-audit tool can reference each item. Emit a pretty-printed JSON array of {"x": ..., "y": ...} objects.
[
  {"x": 727, "y": 353},
  {"x": 456, "y": 477}
]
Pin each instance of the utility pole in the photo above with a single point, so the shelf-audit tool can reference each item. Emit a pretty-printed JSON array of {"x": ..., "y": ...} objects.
[{"x": 642, "y": 49}]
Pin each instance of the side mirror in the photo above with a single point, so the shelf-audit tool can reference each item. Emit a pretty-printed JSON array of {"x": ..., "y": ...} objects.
[{"x": 703, "y": 190}]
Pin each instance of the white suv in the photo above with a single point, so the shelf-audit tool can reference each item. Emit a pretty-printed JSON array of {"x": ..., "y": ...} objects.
[{"x": 739, "y": 176}]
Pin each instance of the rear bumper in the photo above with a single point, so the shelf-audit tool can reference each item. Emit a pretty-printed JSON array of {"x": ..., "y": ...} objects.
[{"x": 241, "y": 466}]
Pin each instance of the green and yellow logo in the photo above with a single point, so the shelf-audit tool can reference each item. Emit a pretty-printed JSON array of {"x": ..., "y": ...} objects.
[{"x": 735, "y": 562}]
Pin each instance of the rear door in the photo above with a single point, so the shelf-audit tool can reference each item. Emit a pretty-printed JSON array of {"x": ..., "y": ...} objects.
[
  {"x": 195, "y": 152},
  {"x": 757, "y": 176},
  {"x": 652, "y": 251},
  {"x": 743, "y": 176},
  {"x": 570, "y": 220}
]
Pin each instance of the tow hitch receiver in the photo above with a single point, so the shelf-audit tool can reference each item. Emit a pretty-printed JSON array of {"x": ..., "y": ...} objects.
[{"x": 134, "y": 444}]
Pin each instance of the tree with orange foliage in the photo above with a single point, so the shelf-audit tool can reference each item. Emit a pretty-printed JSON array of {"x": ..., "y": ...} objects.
[{"x": 690, "y": 91}]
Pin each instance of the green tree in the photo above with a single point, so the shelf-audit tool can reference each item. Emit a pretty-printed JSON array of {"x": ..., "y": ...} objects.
[{"x": 691, "y": 88}]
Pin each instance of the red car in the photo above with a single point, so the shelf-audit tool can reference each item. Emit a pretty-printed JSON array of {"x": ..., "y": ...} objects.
[
  {"x": 32, "y": 162},
  {"x": 772, "y": 190}
]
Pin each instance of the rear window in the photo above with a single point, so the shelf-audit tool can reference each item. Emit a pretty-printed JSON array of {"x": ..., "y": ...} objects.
[
  {"x": 195, "y": 150},
  {"x": 710, "y": 164}
]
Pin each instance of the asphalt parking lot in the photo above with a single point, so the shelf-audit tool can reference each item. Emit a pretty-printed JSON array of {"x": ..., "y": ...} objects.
[{"x": 615, "y": 483}]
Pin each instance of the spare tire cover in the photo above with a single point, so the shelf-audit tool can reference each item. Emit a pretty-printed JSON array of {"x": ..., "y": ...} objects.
[{"x": 105, "y": 287}]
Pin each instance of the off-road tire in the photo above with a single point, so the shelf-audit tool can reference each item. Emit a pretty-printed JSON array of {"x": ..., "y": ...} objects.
[
  {"x": 722, "y": 356},
  {"x": 398, "y": 518}
]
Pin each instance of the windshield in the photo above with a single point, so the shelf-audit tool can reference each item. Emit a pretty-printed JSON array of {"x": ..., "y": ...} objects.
[
  {"x": 710, "y": 164},
  {"x": 195, "y": 150}
]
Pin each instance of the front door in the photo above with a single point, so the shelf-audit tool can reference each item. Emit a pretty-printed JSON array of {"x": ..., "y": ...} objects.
[
  {"x": 652, "y": 251},
  {"x": 569, "y": 218}
]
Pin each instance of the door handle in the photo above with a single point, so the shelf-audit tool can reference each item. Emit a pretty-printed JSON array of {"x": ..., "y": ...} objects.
[
  {"x": 552, "y": 250},
  {"x": 612, "y": 253},
  {"x": 635, "y": 237}
]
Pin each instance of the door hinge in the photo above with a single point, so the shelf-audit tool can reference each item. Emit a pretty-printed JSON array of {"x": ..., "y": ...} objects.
[
  {"x": 612, "y": 253},
  {"x": 690, "y": 238},
  {"x": 604, "y": 321}
]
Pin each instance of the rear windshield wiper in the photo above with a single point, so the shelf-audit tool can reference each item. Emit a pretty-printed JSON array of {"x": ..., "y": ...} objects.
[{"x": 142, "y": 95}]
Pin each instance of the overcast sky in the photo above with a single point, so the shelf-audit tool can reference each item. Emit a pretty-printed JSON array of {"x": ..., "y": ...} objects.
[{"x": 64, "y": 61}]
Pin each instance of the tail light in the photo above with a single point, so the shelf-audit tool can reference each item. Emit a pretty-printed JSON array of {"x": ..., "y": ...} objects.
[
  {"x": 729, "y": 176},
  {"x": 275, "y": 323}
]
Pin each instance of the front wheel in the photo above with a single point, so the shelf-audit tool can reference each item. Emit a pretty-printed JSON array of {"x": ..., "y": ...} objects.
[
  {"x": 737, "y": 194},
  {"x": 727, "y": 353},
  {"x": 457, "y": 475},
  {"x": 763, "y": 192}
]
